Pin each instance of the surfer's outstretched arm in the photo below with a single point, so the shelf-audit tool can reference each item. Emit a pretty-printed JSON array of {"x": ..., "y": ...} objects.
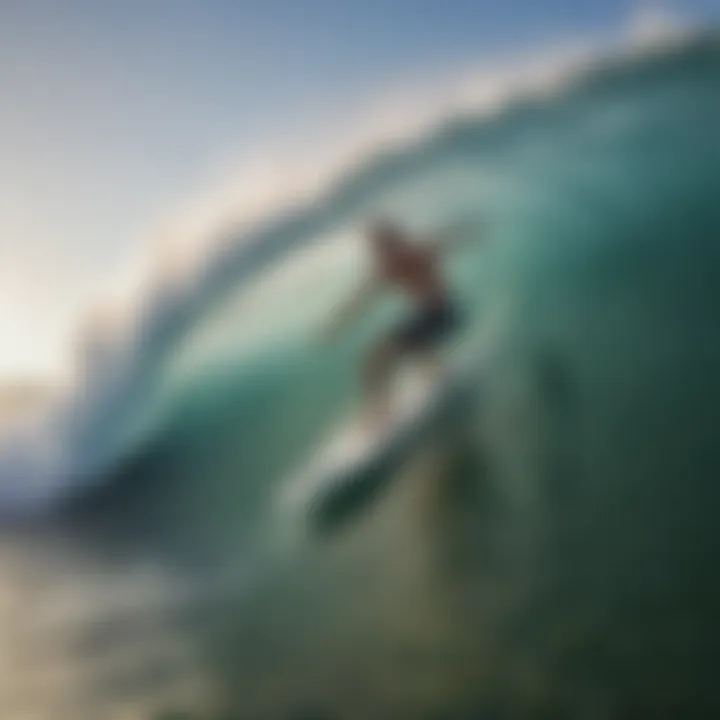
[{"x": 355, "y": 304}]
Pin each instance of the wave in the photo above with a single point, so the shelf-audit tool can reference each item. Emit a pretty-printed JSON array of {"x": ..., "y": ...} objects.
[
  {"x": 236, "y": 326},
  {"x": 547, "y": 547}
]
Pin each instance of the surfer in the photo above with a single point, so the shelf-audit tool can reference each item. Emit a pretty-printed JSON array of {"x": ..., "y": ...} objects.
[{"x": 413, "y": 266}]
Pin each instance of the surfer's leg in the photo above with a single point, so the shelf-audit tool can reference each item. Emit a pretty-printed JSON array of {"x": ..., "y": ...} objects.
[
  {"x": 426, "y": 338},
  {"x": 432, "y": 364},
  {"x": 407, "y": 340},
  {"x": 379, "y": 367},
  {"x": 419, "y": 337}
]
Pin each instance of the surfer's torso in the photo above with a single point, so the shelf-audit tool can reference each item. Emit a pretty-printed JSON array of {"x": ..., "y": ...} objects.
[{"x": 416, "y": 271}]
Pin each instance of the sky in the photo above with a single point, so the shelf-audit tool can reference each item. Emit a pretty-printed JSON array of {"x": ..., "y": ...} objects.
[{"x": 113, "y": 113}]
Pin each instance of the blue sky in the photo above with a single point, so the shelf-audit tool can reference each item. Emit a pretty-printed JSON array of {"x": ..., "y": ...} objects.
[{"x": 111, "y": 112}]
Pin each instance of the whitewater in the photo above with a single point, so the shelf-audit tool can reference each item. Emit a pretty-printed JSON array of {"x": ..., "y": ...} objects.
[{"x": 547, "y": 549}]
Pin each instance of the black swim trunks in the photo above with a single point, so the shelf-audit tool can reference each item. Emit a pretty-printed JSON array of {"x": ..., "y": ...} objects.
[{"x": 429, "y": 327}]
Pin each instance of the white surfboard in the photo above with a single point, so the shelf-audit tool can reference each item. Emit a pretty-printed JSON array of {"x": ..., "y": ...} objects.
[{"x": 352, "y": 465}]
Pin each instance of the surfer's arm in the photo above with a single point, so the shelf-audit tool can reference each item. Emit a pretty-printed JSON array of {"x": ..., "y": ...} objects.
[{"x": 353, "y": 306}]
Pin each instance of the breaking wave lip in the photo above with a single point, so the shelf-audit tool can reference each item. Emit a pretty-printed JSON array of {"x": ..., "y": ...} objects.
[{"x": 80, "y": 434}]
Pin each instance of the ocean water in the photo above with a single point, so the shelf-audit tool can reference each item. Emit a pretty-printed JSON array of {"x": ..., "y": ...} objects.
[{"x": 547, "y": 548}]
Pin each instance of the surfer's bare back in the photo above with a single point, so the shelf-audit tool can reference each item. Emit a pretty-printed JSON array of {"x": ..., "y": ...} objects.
[{"x": 414, "y": 267}]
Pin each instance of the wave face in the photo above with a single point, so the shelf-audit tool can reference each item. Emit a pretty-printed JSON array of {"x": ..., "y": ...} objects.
[{"x": 554, "y": 553}]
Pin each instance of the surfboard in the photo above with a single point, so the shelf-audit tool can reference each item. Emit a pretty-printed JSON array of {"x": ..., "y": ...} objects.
[{"x": 356, "y": 462}]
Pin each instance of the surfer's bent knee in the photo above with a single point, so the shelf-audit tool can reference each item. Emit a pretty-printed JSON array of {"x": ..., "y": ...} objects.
[{"x": 380, "y": 359}]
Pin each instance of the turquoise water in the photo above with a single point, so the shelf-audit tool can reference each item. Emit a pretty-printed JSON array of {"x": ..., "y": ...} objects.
[{"x": 548, "y": 551}]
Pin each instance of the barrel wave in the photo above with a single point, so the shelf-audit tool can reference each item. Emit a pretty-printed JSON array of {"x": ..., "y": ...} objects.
[{"x": 546, "y": 546}]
